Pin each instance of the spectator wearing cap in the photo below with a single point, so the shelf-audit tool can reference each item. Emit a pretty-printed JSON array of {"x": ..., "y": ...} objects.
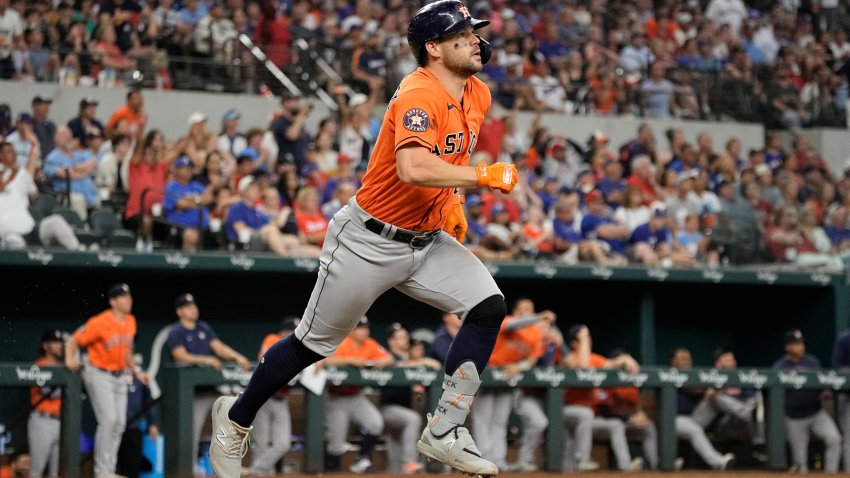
[
  {"x": 597, "y": 225},
  {"x": 774, "y": 156},
  {"x": 230, "y": 141},
  {"x": 356, "y": 132},
  {"x": 214, "y": 34},
  {"x": 108, "y": 338},
  {"x": 687, "y": 400},
  {"x": 63, "y": 165},
  {"x": 199, "y": 141},
  {"x": 804, "y": 413},
  {"x": 401, "y": 423},
  {"x": 613, "y": 184},
  {"x": 289, "y": 131},
  {"x": 684, "y": 201},
  {"x": 11, "y": 37},
  {"x": 86, "y": 121},
  {"x": 46, "y": 402},
  {"x": 186, "y": 203},
  {"x": 44, "y": 127},
  {"x": 346, "y": 404},
  {"x": 590, "y": 413},
  {"x": 132, "y": 112},
  {"x": 271, "y": 437},
  {"x": 24, "y": 141},
  {"x": 642, "y": 145},
  {"x": 369, "y": 63},
  {"x": 651, "y": 243},
  {"x": 561, "y": 162},
  {"x": 503, "y": 235},
  {"x": 192, "y": 341}
]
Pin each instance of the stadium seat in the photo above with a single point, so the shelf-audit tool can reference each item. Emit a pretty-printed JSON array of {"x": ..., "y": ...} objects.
[
  {"x": 104, "y": 221},
  {"x": 71, "y": 217},
  {"x": 44, "y": 203},
  {"x": 120, "y": 239}
]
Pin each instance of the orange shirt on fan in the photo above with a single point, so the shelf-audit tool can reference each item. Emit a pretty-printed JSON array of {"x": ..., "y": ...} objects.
[
  {"x": 108, "y": 340},
  {"x": 51, "y": 405},
  {"x": 370, "y": 350},
  {"x": 421, "y": 114},
  {"x": 515, "y": 345}
]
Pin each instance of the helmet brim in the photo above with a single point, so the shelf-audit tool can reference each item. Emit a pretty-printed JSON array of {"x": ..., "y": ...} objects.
[{"x": 462, "y": 25}]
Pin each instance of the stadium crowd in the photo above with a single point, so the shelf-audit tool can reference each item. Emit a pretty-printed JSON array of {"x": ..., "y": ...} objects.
[{"x": 685, "y": 203}]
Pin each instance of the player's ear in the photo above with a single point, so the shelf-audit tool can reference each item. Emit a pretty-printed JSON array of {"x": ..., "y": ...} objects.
[{"x": 432, "y": 48}]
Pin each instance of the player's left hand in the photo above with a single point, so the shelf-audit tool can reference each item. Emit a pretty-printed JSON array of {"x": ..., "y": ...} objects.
[
  {"x": 501, "y": 176},
  {"x": 456, "y": 221},
  {"x": 143, "y": 377}
]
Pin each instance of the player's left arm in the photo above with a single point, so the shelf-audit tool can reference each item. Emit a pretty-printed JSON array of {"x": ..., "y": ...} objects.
[{"x": 224, "y": 352}]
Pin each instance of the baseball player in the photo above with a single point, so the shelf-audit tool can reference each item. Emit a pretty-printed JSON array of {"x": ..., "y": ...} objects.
[
  {"x": 193, "y": 341},
  {"x": 108, "y": 338},
  {"x": 346, "y": 404},
  {"x": 273, "y": 429},
  {"x": 804, "y": 414},
  {"x": 401, "y": 422},
  {"x": 43, "y": 423},
  {"x": 841, "y": 360},
  {"x": 404, "y": 230}
]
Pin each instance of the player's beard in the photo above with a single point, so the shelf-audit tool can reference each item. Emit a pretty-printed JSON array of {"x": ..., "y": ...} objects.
[{"x": 462, "y": 65}]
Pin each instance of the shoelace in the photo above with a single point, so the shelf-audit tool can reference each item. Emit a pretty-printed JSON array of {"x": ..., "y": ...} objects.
[{"x": 238, "y": 447}]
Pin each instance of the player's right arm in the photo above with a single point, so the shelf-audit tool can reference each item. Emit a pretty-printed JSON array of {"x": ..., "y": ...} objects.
[{"x": 181, "y": 355}]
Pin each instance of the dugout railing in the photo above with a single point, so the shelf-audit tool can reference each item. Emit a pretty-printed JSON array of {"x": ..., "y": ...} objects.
[{"x": 178, "y": 383}]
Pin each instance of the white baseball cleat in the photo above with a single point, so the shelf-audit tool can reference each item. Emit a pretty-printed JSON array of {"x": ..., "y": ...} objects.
[
  {"x": 230, "y": 441},
  {"x": 457, "y": 449}
]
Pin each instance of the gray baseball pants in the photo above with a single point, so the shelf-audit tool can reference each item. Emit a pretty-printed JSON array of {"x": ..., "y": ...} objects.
[
  {"x": 402, "y": 426},
  {"x": 490, "y": 417},
  {"x": 844, "y": 423},
  {"x": 340, "y": 410},
  {"x": 614, "y": 430},
  {"x": 43, "y": 437},
  {"x": 357, "y": 266},
  {"x": 108, "y": 395},
  {"x": 822, "y": 426},
  {"x": 271, "y": 437},
  {"x": 578, "y": 440},
  {"x": 534, "y": 423},
  {"x": 688, "y": 429}
]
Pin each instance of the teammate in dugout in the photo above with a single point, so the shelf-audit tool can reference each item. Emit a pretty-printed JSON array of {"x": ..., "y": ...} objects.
[
  {"x": 43, "y": 423},
  {"x": 404, "y": 230}
]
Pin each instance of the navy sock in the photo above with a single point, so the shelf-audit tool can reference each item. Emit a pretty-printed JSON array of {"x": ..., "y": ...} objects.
[
  {"x": 281, "y": 363},
  {"x": 474, "y": 343},
  {"x": 367, "y": 443}
]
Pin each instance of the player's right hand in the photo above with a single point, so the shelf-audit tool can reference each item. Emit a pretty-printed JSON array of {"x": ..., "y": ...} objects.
[
  {"x": 501, "y": 176},
  {"x": 456, "y": 224}
]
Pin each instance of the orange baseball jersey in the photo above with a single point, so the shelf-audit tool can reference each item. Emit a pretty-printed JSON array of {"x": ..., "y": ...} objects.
[
  {"x": 589, "y": 397},
  {"x": 370, "y": 350},
  {"x": 108, "y": 340},
  {"x": 422, "y": 113},
  {"x": 52, "y": 405},
  {"x": 515, "y": 345}
]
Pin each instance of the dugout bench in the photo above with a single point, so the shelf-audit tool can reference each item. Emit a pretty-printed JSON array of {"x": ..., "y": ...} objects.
[{"x": 179, "y": 382}]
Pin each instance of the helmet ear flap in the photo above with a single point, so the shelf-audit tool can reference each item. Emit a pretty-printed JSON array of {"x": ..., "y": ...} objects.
[{"x": 486, "y": 49}]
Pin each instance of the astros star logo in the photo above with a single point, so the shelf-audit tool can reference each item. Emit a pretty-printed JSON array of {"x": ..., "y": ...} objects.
[
  {"x": 416, "y": 119},
  {"x": 463, "y": 10}
]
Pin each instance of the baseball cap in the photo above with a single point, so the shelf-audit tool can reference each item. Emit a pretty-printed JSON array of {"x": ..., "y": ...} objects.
[
  {"x": 599, "y": 136},
  {"x": 231, "y": 114},
  {"x": 183, "y": 299},
  {"x": 685, "y": 175},
  {"x": 497, "y": 208},
  {"x": 473, "y": 200},
  {"x": 290, "y": 323},
  {"x": 53, "y": 335},
  {"x": 719, "y": 352},
  {"x": 394, "y": 327},
  {"x": 117, "y": 290},
  {"x": 87, "y": 101},
  {"x": 363, "y": 322},
  {"x": 288, "y": 95},
  {"x": 196, "y": 117},
  {"x": 245, "y": 182},
  {"x": 793, "y": 336},
  {"x": 25, "y": 118},
  {"x": 357, "y": 100},
  {"x": 594, "y": 195},
  {"x": 761, "y": 169},
  {"x": 658, "y": 209},
  {"x": 38, "y": 100},
  {"x": 572, "y": 332},
  {"x": 183, "y": 162}
]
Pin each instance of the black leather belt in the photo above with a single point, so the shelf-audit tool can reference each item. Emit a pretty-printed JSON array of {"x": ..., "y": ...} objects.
[
  {"x": 114, "y": 373},
  {"x": 416, "y": 240}
]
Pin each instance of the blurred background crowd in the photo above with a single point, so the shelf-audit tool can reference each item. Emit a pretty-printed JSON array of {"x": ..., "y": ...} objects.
[{"x": 108, "y": 179}]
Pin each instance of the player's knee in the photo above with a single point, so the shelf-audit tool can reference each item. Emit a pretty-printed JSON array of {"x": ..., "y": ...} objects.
[{"x": 488, "y": 313}]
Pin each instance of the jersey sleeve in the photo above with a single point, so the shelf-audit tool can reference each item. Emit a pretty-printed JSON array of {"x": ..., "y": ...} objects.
[
  {"x": 207, "y": 328},
  {"x": 417, "y": 115},
  {"x": 89, "y": 332},
  {"x": 175, "y": 338},
  {"x": 377, "y": 352}
]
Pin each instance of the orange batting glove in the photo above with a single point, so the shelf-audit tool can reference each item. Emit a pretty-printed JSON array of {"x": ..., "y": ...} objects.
[
  {"x": 501, "y": 176},
  {"x": 456, "y": 220}
]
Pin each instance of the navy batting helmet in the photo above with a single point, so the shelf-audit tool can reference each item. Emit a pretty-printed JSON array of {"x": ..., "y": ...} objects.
[{"x": 439, "y": 19}]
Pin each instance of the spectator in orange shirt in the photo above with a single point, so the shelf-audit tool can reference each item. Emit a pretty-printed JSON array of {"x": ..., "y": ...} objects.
[
  {"x": 43, "y": 424},
  {"x": 272, "y": 436},
  {"x": 346, "y": 404},
  {"x": 108, "y": 338},
  {"x": 131, "y": 112},
  {"x": 18, "y": 467},
  {"x": 518, "y": 347},
  {"x": 312, "y": 224},
  {"x": 616, "y": 408}
]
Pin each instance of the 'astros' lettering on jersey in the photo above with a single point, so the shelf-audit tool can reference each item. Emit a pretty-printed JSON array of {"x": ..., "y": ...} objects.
[
  {"x": 107, "y": 340},
  {"x": 421, "y": 112}
]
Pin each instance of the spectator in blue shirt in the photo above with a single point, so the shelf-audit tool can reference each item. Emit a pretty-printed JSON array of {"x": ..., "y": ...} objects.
[
  {"x": 841, "y": 361},
  {"x": 444, "y": 337},
  {"x": 141, "y": 419},
  {"x": 193, "y": 342},
  {"x": 569, "y": 241},
  {"x": 63, "y": 163},
  {"x": 839, "y": 232},
  {"x": 186, "y": 203},
  {"x": 657, "y": 93},
  {"x": 804, "y": 414},
  {"x": 652, "y": 243},
  {"x": 600, "y": 227}
]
